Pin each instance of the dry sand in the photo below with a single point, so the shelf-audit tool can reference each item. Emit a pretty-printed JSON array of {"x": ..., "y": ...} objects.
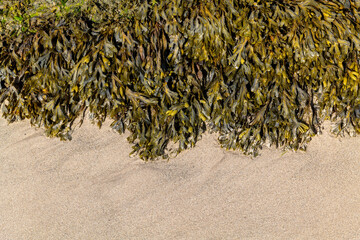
[{"x": 90, "y": 188}]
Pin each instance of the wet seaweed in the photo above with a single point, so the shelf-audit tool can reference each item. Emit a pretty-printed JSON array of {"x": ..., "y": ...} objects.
[{"x": 255, "y": 72}]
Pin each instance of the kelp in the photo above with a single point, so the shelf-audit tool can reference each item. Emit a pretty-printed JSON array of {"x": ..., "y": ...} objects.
[{"x": 255, "y": 72}]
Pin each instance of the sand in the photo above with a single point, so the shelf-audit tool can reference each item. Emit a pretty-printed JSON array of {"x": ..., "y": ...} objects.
[{"x": 90, "y": 188}]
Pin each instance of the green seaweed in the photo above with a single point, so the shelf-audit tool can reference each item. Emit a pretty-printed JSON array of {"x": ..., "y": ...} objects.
[{"x": 256, "y": 72}]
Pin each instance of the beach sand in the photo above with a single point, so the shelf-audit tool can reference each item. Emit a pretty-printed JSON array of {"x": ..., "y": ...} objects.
[{"x": 89, "y": 188}]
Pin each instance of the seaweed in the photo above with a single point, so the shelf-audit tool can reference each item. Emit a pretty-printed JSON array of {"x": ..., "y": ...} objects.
[{"x": 255, "y": 72}]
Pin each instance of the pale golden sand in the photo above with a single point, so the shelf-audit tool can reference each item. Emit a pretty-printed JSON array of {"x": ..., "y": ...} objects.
[{"x": 90, "y": 189}]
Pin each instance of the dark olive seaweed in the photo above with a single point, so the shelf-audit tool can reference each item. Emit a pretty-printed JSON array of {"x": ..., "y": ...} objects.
[{"x": 255, "y": 72}]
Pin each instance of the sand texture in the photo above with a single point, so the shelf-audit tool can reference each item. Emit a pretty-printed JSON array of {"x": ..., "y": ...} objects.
[{"x": 90, "y": 188}]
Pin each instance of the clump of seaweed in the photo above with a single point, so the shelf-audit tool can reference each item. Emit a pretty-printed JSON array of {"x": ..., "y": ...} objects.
[{"x": 256, "y": 72}]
